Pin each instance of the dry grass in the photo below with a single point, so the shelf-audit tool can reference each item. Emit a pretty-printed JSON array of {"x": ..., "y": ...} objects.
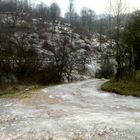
[
  {"x": 124, "y": 87},
  {"x": 19, "y": 91}
]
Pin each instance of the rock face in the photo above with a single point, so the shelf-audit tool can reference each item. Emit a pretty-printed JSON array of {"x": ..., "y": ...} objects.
[
  {"x": 71, "y": 111},
  {"x": 80, "y": 46}
]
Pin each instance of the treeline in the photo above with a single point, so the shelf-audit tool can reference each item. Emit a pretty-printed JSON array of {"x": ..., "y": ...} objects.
[{"x": 86, "y": 22}]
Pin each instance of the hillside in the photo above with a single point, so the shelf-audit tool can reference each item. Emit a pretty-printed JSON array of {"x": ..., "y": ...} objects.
[{"x": 81, "y": 52}]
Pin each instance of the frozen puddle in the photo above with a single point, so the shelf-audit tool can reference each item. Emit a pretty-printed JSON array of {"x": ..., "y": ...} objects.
[{"x": 77, "y": 111}]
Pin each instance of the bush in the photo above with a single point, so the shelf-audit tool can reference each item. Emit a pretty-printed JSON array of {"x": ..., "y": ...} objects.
[{"x": 106, "y": 70}]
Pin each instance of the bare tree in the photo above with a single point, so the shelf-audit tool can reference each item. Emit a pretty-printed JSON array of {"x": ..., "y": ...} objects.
[
  {"x": 64, "y": 59},
  {"x": 91, "y": 16},
  {"x": 101, "y": 32},
  {"x": 116, "y": 15},
  {"x": 71, "y": 15},
  {"x": 87, "y": 19},
  {"x": 55, "y": 13},
  {"x": 71, "y": 11},
  {"x": 84, "y": 17}
]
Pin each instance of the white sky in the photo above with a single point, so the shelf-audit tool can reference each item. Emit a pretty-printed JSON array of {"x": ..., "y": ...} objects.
[{"x": 99, "y": 6}]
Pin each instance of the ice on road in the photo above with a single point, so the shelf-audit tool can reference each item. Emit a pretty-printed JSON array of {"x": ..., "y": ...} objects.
[{"x": 77, "y": 111}]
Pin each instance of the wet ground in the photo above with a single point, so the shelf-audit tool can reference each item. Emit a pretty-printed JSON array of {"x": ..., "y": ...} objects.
[{"x": 77, "y": 111}]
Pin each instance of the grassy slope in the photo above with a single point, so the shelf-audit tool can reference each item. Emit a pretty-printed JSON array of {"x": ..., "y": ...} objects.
[
  {"x": 124, "y": 87},
  {"x": 19, "y": 91}
]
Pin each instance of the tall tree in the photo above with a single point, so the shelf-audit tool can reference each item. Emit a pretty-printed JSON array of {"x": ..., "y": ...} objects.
[
  {"x": 70, "y": 16},
  {"x": 55, "y": 13},
  {"x": 131, "y": 38},
  {"x": 87, "y": 19},
  {"x": 91, "y": 16},
  {"x": 118, "y": 10},
  {"x": 71, "y": 11},
  {"x": 43, "y": 11},
  {"x": 101, "y": 32},
  {"x": 84, "y": 17}
]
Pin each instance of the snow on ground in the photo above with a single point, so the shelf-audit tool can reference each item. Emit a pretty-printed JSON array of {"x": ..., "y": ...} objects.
[
  {"x": 92, "y": 68},
  {"x": 64, "y": 112}
]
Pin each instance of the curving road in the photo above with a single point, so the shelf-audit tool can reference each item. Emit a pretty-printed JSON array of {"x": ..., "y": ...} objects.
[{"x": 77, "y": 111}]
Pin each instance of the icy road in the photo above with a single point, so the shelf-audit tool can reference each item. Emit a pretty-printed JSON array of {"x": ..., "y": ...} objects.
[{"x": 77, "y": 111}]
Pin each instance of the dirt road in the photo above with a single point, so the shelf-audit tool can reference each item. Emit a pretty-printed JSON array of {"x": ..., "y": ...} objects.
[{"x": 77, "y": 111}]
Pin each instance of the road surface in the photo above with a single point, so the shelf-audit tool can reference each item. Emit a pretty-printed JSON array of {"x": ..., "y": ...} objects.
[{"x": 77, "y": 111}]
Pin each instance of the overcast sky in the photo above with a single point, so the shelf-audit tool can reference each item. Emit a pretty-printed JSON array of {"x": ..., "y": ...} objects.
[{"x": 99, "y": 6}]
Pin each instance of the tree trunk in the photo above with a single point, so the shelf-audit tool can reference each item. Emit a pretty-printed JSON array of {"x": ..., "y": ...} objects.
[{"x": 118, "y": 73}]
